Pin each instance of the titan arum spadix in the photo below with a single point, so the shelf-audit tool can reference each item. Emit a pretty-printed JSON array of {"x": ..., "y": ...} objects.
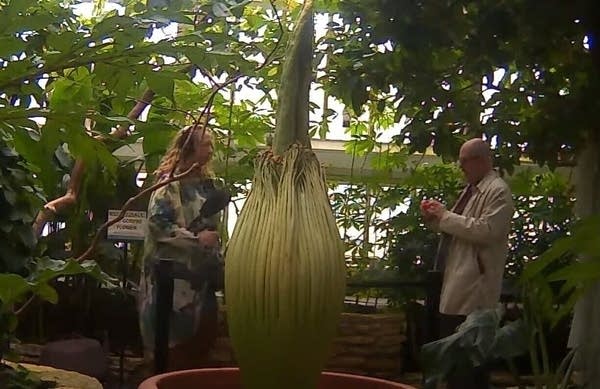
[{"x": 284, "y": 272}]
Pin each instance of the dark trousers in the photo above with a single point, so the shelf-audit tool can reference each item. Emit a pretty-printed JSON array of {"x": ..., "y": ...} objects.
[{"x": 476, "y": 378}]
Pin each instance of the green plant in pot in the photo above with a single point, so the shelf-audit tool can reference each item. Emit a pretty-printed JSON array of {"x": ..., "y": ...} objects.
[
  {"x": 285, "y": 274},
  {"x": 284, "y": 264}
]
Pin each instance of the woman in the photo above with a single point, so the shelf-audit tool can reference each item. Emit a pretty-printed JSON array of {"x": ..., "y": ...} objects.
[{"x": 172, "y": 208}]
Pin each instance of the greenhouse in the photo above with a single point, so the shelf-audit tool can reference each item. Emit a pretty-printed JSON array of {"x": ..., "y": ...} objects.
[{"x": 299, "y": 194}]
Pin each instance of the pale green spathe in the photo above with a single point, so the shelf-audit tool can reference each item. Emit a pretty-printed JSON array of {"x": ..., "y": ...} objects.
[{"x": 284, "y": 275}]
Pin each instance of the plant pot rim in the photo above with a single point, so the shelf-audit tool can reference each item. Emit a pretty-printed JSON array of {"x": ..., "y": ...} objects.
[{"x": 154, "y": 381}]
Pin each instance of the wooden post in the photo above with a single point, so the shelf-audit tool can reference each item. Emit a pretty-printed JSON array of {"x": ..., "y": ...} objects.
[
  {"x": 432, "y": 305},
  {"x": 164, "y": 305}
]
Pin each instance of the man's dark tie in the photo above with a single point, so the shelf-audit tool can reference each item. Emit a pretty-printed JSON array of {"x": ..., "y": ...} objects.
[{"x": 442, "y": 253}]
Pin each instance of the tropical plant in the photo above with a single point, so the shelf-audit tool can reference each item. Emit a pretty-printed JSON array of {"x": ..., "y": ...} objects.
[
  {"x": 522, "y": 75},
  {"x": 70, "y": 83},
  {"x": 395, "y": 245},
  {"x": 552, "y": 285},
  {"x": 284, "y": 273},
  {"x": 90, "y": 80},
  {"x": 486, "y": 337},
  {"x": 19, "y": 199},
  {"x": 549, "y": 289},
  {"x": 482, "y": 338},
  {"x": 15, "y": 289}
]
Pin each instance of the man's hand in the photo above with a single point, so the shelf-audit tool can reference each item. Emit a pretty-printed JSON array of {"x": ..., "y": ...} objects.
[
  {"x": 424, "y": 207},
  {"x": 208, "y": 239},
  {"x": 432, "y": 210}
]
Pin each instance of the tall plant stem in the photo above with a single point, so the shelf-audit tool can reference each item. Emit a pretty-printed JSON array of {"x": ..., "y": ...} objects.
[{"x": 292, "y": 118}]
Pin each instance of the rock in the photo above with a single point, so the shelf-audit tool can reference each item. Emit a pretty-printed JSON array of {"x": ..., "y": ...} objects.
[
  {"x": 83, "y": 355},
  {"x": 64, "y": 379}
]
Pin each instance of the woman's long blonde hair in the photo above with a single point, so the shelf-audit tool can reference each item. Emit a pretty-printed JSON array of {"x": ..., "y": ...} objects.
[{"x": 179, "y": 152}]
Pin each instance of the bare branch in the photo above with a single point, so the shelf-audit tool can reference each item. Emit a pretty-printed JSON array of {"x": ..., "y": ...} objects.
[
  {"x": 135, "y": 112},
  {"x": 55, "y": 206},
  {"x": 25, "y": 305}
]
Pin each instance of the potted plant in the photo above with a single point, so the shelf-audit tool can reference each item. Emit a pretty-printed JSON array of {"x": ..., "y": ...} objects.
[
  {"x": 229, "y": 378},
  {"x": 285, "y": 267}
]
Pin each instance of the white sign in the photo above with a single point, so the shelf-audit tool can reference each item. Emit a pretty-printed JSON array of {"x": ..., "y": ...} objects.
[{"x": 131, "y": 227}]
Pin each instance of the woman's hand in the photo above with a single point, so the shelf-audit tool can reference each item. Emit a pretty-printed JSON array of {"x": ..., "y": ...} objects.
[{"x": 208, "y": 239}]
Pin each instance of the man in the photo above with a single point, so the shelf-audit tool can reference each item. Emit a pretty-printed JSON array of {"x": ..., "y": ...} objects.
[{"x": 474, "y": 245}]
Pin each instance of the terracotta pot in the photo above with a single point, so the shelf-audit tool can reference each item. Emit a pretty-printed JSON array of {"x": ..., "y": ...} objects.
[{"x": 229, "y": 378}]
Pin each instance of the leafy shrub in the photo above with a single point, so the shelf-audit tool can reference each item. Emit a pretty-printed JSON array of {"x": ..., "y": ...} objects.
[{"x": 398, "y": 246}]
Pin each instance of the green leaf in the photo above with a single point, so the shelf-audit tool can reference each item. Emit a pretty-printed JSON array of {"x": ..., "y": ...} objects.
[
  {"x": 63, "y": 157},
  {"x": 360, "y": 147},
  {"x": 33, "y": 89},
  {"x": 91, "y": 150},
  {"x": 359, "y": 97},
  {"x": 161, "y": 84},
  {"x": 62, "y": 42},
  {"x": 10, "y": 196},
  {"x": 27, "y": 234},
  {"x": 13, "y": 322},
  {"x": 157, "y": 140},
  {"x": 584, "y": 271},
  {"x": 117, "y": 81},
  {"x": 46, "y": 292},
  {"x": 582, "y": 241},
  {"x": 167, "y": 17},
  {"x": 10, "y": 46},
  {"x": 139, "y": 7},
  {"x": 110, "y": 24},
  {"x": 196, "y": 55},
  {"x": 272, "y": 72},
  {"x": 189, "y": 96},
  {"x": 72, "y": 94},
  {"x": 477, "y": 340},
  {"x": 48, "y": 269},
  {"x": 221, "y": 10},
  {"x": 511, "y": 340},
  {"x": 221, "y": 53},
  {"x": 13, "y": 289}
]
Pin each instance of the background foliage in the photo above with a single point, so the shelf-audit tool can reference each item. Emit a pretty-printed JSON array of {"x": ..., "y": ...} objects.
[
  {"x": 437, "y": 68},
  {"x": 401, "y": 247},
  {"x": 430, "y": 61}
]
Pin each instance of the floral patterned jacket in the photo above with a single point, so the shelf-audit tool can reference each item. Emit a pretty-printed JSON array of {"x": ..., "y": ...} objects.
[{"x": 171, "y": 210}]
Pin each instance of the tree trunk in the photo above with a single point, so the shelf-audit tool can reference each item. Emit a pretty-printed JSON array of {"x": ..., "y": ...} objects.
[{"x": 586, "y": 320}]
